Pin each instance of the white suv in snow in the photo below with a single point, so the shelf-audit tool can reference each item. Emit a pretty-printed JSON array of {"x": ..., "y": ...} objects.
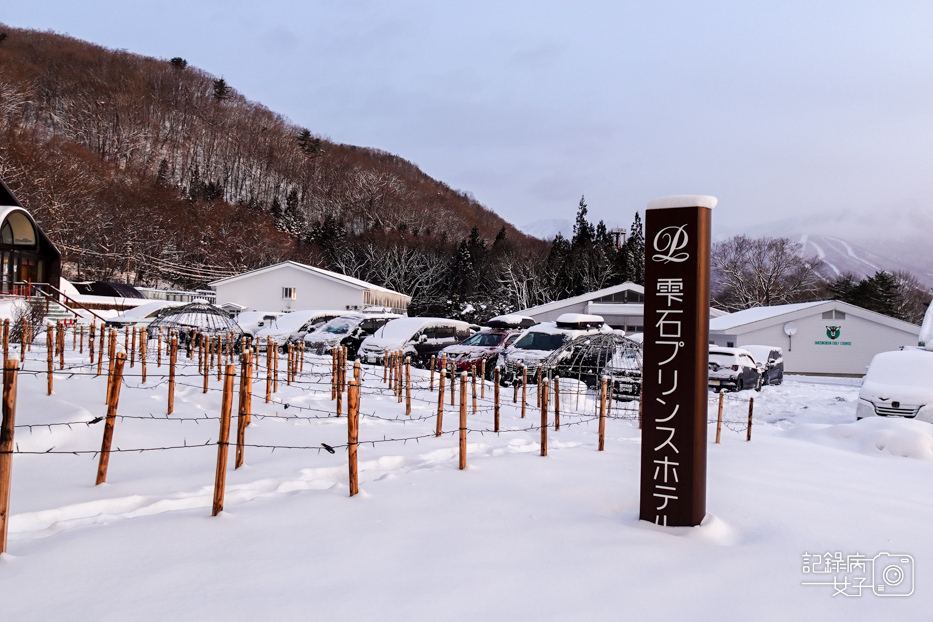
[{"x": 898, "y": 384}]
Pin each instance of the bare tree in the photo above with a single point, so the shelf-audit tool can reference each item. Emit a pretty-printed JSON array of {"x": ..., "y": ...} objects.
[{"x": 754, "y": 272}]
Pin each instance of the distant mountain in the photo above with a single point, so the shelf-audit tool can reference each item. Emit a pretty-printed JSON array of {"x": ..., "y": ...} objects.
[
  {"x": 861, "y": 242},
  {"x": 548, "y": 229}
]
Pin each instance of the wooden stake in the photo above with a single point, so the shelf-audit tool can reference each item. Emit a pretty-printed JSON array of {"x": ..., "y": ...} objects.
[
  {"x": 6, "y": 339},
  {"x": 268, "y": 369},
  {"x": 602, "y": 413},
  {"x": 113, "y": 400},
  {"x": 50, "y": 355},
  {"x": 473, "y": 381},
  {"x": 241, "y": 414},
  {"x": 81, "y": 340},
  {"x": 719, "y": 418},
  {"x": 7, "y": 427},
  {"x": 453, "y": 383},
  {"x": 431, "y": 385},
  {"x": 538, "y": 390},
  {"x": 482, "y": 379},
  {"x": 275, "y": 367},
  {"x": 159, "y": 349},
  {"x": 407, "y": 386},
  {"x": 524, "y": 389},
  {"x": 339, "y": 392},
  {"x": 751, "y": 408},
  {"x": 172, "y": 358},
  {"x": 61, "y": 345},
  {"x": 223, "y": 443},
  {"x": 543, "y": 417},
  {"x": 22, "y": 344},
  {"x": 205, "y": 369},
  {"x": 385, "y": 367},
  {"x": 143, "y": 342},
  {"x": 133, "y": 350},
  {"x": 100, "y": 348},
  {"x": 440, "y": 401},
  {"x": 353, "y": 430},
  {"x": 495, "y": 399},
  {"x": 463, "y": 420},
  {"x": 556, "y": 403}
]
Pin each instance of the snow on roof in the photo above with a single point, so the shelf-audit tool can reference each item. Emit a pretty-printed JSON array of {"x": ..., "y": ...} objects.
[
  {"x": 757, "y": 314},
  {"x": 566, "y": 302},
  {"x": 405, "y": 327},
  {"x": 739, "y": 319},
  {"x": 579, "y": 318},
  {"x": 349, "y": 280},
  {"x": 143, "y": 310}
]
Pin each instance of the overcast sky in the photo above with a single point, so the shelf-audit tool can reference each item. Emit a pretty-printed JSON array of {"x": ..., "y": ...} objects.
[{"x": 777, "y": 108}]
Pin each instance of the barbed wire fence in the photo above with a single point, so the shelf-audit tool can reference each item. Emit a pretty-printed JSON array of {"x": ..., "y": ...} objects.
[{"x": 374, "y": 386}]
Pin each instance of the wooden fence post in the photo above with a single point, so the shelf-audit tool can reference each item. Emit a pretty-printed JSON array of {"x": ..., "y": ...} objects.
[
  {"x": 60, "y": 344},
  {"x": 453, "y": 383},
  {"x": 751, "y": 408},
  {"x": 524, "y": 389},
  {"x": 543, "y": 387},
  {"x": 143, "y": 343},
  {"x": 113, "y": 400},
  {"x": 440, "y": 400},
  {"x": 538, "y": 390},
  {"x": 242, "y": 412},
  {"x": 205, "y": 367},
  {"x": 719, "y": 418},
  {"x": 407, "y": 386},
  {"x": 51, "y": 352},
  {"x": 431, "y": 385},
  {"x": 339, "y": 390},
  {"x": 133, "y": 350},
  {"x": 220, "y": 478},
  {"x": 463, "y": 420},
  {"x": 7, "y": 427},
  {"x": 172, "y": 358},
  {"x": 268, "y": 369},
  {"x": 159, "y": 349},
  {"x": 22, "y": 343},
  {"x": 6, "y": 339},
  {"x": 495, "y": 400},
  {"x": 100, "y": 348},
  {"x": 482, "y": 379},
  {"x": 275, "y": 366},
  {"x": 556, "y": 403},
  {"x": 353, "y": 433},
  {"x": 602, "y": 413},
  {"x": 473, "y": 381},
  {"x": 81, "y": 339}
]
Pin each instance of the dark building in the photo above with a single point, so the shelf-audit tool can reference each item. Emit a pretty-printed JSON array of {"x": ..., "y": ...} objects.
[{"x": 26, "y": 253}]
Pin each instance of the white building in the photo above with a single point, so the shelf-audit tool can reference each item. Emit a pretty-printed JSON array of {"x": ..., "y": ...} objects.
[
  {"x": 822, "y": 338},
  {"x": 621, "y": 306},
  {"x": 291, "y": 286}
]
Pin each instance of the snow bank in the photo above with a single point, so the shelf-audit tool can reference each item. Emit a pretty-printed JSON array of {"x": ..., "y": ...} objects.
[{"x": 880, "y": 436}]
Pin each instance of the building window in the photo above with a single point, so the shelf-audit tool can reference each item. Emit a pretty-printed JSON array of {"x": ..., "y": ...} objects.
[
  {"x": 289, "y": 293},
  {"x": 834, "y": 315}
]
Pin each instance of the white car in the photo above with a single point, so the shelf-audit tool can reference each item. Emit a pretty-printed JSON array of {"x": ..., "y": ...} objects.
[
  {"x": 418, "y": 337},
  {"x": 538, "y": 342},
  {"x": 898, "y": 384},
  {"x": 733, "y": 369},
  {"x": 293, "y": 326}
]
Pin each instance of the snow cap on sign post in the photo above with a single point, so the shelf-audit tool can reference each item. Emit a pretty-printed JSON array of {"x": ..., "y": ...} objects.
[{"x": 684, "y": 200}]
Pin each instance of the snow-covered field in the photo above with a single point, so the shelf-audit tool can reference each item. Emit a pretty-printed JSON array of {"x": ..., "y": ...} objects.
[{"x": 514, "y": 536}]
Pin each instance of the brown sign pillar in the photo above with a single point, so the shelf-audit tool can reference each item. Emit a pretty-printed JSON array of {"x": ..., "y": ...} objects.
[{"x": 676, "y": 360}]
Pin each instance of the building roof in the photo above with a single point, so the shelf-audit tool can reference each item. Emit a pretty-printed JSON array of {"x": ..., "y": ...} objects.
[
  {"x": 559, "y": 304},
  {"x": 759, "y": 317},
  {"x": 327, "y": 274}
]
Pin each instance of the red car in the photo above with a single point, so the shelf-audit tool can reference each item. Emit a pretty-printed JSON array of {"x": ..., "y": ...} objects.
[{"x": 486, "y": 344}]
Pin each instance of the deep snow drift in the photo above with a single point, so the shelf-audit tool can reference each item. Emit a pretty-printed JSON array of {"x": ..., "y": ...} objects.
[{"x": 514, "y": 536}]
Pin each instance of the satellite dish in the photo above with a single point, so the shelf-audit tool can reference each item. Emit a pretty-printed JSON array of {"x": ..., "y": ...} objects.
[{"x": 790, "y": 329}]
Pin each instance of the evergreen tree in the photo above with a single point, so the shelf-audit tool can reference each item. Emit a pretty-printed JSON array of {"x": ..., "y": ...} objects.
[
  {"x": 634, "y": 253},
  {"x": 221, "y": 90},
  {"x": 178, "y": 62},
  {"x": 309, "y": 145}
]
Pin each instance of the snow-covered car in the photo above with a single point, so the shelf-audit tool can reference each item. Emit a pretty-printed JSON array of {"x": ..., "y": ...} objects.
[
  {"x": 733, "y": 369},
  {"x": 250, "y": 322},
  {"x": 538, "y": 342},
  {"x": 898, "y": 384},
  {"x": 770, "y": 361},
  {"x": 347, "y": 330},
  {"x": 487, "y": 344},
  {"x": 293, "y": 326},
  {"x": 418, "y": 337}
]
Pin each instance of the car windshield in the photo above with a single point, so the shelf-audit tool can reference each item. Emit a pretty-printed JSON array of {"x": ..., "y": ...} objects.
[
  {"x": 339, "y": 326},
  {"x": 723, "y": 360},
  {"x": 541, "y": 341},
  {"x": 484, "y": 340}
]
